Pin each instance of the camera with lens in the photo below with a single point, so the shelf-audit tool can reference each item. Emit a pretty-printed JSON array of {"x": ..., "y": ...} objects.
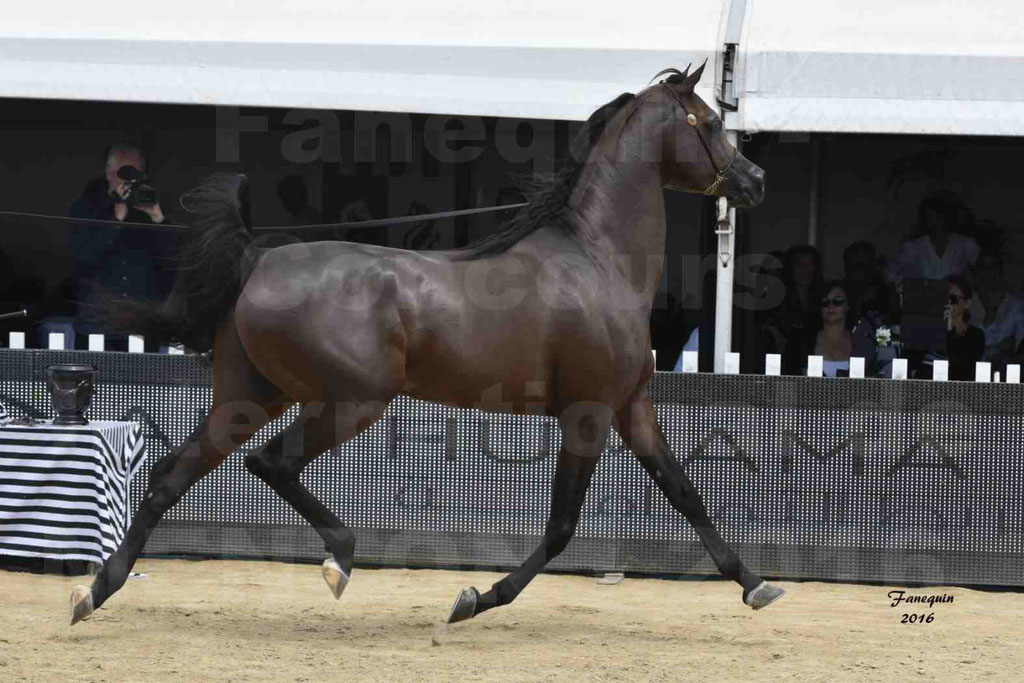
[{"x": 139, "y": 189}]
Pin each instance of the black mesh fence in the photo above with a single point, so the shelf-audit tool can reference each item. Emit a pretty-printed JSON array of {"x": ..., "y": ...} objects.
[{"x": 816, "y": 478}]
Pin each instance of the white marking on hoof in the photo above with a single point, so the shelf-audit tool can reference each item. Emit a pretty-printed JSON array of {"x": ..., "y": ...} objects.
[
  {"x": 464, "y": 606},
  {"x": 335, "y": 577},
  {"x": 764, "y": 595},
  {"x": 81, "y": 604}
]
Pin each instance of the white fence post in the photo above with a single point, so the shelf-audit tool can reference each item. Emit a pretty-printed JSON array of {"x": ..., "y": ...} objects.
[
  {"x": 56, "y": 342},
  {"x": 856, "y": 367},
  {"x": 16, "y": 340},
  {"x": 940, "y": 370},
  {"x": 690, "y": 361},
  {"x": 899, "y": 368},
  {"x": 97, "y": 342},
  {"x": 732, "y": 363},
  {"x": 1013, "y": 374},
  {"x": 136, "y": 343},
  {"x": 815, "y": 366},
  {"x": 772, "y": 364},
  {"x": 982, "y": 371}
]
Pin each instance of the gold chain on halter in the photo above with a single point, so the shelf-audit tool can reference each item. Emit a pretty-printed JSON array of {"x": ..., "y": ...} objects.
[{"x": 713, "y": 187}]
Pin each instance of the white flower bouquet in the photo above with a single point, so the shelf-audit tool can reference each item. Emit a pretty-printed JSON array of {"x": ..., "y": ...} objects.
[{"x": 883, "y": 336}]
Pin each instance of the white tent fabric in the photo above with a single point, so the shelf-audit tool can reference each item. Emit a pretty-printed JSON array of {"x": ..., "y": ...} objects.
[
  {"x": 912, "y": 66},
  {"x": 515, "y": 58},
  {"x": 878, "y": 66}
]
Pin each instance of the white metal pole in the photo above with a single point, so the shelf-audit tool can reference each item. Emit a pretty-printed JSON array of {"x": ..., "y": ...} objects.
[
  {"x": 815, "y": 191},
  {"x": 725, "y": 256},
  {"x": 725, "y": 228}
]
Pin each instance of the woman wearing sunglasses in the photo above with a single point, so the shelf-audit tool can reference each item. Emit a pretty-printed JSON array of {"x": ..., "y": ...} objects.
[
  {"x": 965, "y": 343},
  {"x": 834, "y": 342}
]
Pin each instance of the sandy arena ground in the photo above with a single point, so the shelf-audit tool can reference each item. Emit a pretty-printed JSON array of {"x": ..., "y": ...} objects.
[{"x": 261, "y": 621}]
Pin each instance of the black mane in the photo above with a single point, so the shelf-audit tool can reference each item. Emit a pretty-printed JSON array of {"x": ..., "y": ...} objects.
[{"x": 548, "y": 196}]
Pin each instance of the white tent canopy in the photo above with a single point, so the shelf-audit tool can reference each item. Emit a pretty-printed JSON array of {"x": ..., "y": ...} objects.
[
  {"x": 521, "y": 58},
  {"x": 913, "y": 66},
  {"x": 878, "y": 66}
]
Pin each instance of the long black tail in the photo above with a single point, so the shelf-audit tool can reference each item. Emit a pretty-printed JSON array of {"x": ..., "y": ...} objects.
[{"x": 211, "y": 268}]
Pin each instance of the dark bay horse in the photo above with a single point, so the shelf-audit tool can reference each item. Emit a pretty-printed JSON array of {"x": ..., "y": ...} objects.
[{"x": 549, "y": 316}]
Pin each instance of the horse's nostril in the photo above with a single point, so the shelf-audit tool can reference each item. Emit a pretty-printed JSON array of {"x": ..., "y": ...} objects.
[{"x": 759, "y": 181}]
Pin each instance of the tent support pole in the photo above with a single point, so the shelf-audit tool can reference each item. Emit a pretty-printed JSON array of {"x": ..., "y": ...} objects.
[
  {"x": 815, "y": 190},
  {"x": 725, "y": 230}
]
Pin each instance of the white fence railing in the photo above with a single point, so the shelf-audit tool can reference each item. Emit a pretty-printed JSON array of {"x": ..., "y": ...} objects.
[
  {"x": 815, "y": 367},
  {"x": 772, "y": 361},
  {"x": 97, "y": 342}
]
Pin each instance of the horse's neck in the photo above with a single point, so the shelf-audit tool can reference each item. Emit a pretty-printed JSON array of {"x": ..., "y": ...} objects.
[{"x": 619, "y": 210}]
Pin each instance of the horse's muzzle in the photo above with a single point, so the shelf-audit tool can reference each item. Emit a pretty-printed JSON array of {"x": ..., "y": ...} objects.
[{"x": 745, "y": 185}]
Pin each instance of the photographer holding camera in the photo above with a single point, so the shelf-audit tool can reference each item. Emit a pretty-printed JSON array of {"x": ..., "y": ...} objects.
[{"x": 128, "y": 261}]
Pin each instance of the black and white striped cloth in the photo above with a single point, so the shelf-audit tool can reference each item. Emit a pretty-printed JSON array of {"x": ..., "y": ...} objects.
[{"x": 64, "y": 490}]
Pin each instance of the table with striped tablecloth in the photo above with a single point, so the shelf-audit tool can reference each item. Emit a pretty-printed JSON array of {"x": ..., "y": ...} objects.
[{"x": 64, "y": 490}]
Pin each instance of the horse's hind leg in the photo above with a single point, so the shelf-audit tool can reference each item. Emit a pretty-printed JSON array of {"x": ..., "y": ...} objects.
[
  {"x": 582, "y": 443},
  {"x": 638, "y": 426},
  {"x": 279, "y": 463},
  {"x": 239, "y": 391}
]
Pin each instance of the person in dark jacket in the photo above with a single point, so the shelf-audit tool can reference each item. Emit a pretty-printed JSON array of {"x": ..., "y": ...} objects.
[
  {"x": 799, "y": 314},
  {"x": 862, "y": 281},
  {"x": 121, "y": 261},
  {"x": 965, "y": 343}
]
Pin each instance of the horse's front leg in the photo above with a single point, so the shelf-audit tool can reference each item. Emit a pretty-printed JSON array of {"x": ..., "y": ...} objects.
[
  {"x": 638, "y": 426},
  {"x": 584, "y": 433}
]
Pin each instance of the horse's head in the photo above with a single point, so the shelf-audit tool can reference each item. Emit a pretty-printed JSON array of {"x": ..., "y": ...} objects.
[{"x": 697, "y": 156}]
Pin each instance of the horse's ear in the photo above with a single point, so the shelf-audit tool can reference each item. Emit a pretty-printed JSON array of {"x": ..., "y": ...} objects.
[{"x": 690, "y": 82}]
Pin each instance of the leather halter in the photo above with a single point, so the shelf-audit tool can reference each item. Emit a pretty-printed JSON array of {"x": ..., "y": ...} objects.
[{"x": 719, "y": 174}]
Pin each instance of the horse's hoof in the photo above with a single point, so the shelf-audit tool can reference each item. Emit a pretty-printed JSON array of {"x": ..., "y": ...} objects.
[
  {"x": 763, "y": 595},
  {"x": 464, "y": 606},
  {"x": 335, "y": 577},
  {"x": 81, "y": 604}
]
